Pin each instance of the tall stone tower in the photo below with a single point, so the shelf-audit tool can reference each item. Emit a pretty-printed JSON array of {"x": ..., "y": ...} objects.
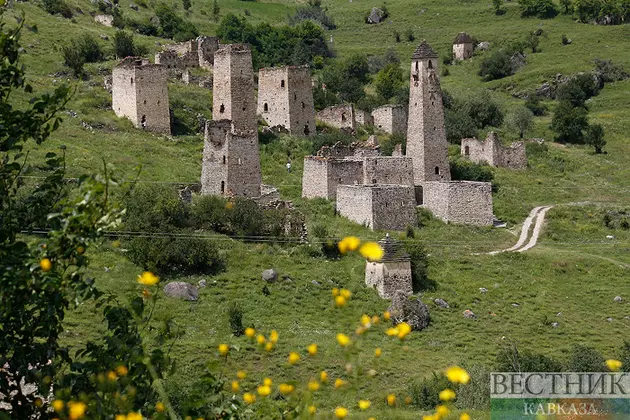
[
  {"x": 426, "y": 135},
  {"x": 233, "y": 87},
  {"x": 285, "y": 98},
  {"x": 231, "y": 161},
  {"x": 140, "y": 93}
]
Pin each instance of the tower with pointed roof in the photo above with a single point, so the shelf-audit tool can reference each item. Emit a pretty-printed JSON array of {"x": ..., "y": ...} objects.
[
  {"x": 392, "y": 272},
  {"x": 426, "y": 135},
  {"x": 462, "y": 46}
]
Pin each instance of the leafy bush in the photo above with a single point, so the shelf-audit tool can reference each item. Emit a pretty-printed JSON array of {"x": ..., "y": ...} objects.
[
  {"x": 459, "y": 125},
  {"x": 585, "y": 359},
  {"x": 569, "y": 122},
  {"x": 419, "y": 267},
  {"x": 57, "y": 7},
  {"x": 510, "y": 359},
  {"x": 328, "y": 139},
  {"x": 426, "y": 394},
  {"x": 389, "y": 81},
  {"x": 172, "y": 26},
  {"x": 347, "y": 78},
  {"x": 609, "y": 71},
  {"x": 595, "y": 137},
  {"x": 387, "y": 146},
  {"x": 235, "y": 319},
  {"x": 613, "y": 12},
  {"x": 482, "y": 108},
  {"x": 496, "y": 66},
  {"x": 465, "y": 170},
  {"x": 520, "y": 120},
  {"x": 544, "y": 9},
  {"x": 312, "y": 12},
  {"x": 534, "y": 104},
  {"x": 73, "y": 58},
  {"x": 124, "y": 45}
]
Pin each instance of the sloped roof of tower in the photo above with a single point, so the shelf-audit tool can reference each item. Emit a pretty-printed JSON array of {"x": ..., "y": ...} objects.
[
  {"x": 424, "y": 50},
  {"x": 393, "y": 251},
  {"x": 463, "y": 38}
]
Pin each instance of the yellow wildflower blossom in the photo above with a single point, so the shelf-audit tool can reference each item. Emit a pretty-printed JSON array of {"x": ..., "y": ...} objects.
[
  {"x": 403, "y": 330},
  {"x": 312, "y": 349},
  {"x": 340, "y": 301},
  {"x": 269, "y": 346},
  {"x": 223, "y": 349},
  {"x": 312, "y": 409},
  {"x": 235, "y": 387},
  {"x": 378, "y": 352},
  {"x": 392, "y": 332},
  {"x": 464, "y": 416},
  {"x": 364, "y": 404},
  {"x": 122, "y": 370},
  {"x": 391, "y": 400},
  {"x": 371, "y": 251},
  {"x": 111, "y": 376},
  {"x": 57, "y": 405},
  {"x": 134, "y": 416},
  {"x": 241, "y": 374},
  {"x": 159, "y": 407},
  {"x": 339, "y": 383},
  {"x": 323, "y": 376},
  {"x": 457, "y": 375},
  {"x": 366, "y": 321},
  {"x": 447, "y": 395},
  {"x": 386, "y": 315},
  {"x": 148, "y": 279},
  {"x": 345, "y": 293},
  {"x": 260, "y": 339},
  {"x": 335, "y": 292},
  {"x": 613, "y": 365},
  {"x": 343, "y": 340},
  {"x": 442, "y": 410},
  {"x": 263, "y": 390},
  {"x": 45, "y": 264},
  {"x": 341, "y": 412},
  {"x": 76, "y": 410},
  {"x": 313, "y": 385},
  {"x": 286, "y": 389},
  {"x": 293, "y": 358},
  {"x": 273, "y": 336},
  {"x": 249, "y": 398},
  {"x": 250, "y": 332}
]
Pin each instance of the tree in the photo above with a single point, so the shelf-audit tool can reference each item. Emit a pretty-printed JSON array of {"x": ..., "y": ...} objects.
[
  {"x": 389, "y": 81},
  {"x": 496, "y": 66},
  {"x": 520, "y": 119},
  {"x": 567, "y": 5},
  {"x": 73, "y": 58},
  {"x": 215, "y": 10},
  {"x": 123, "y": 44},
  {"x": 569, "y": 122},
  {"x": 544, "y": 9},
  {"x": 498, "y": 7},
  {"x": 532, "y": 42},
  {"x": 595, "y": 137},
  {"x": 186, "y": 4}
]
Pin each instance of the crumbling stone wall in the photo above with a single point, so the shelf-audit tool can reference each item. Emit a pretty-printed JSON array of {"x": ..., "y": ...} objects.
[
  {"x": 363, "y": 117},
  {"x": 339, "y": 116},
  {"x": 140, "y": 93},
  {"x": 388, "y": 170},
  {"x": 321, "y": 176},
  {"x": 285, "y": 98},
  {"x": 197, "y": 52},
  {"x": 462, "y": 47},
  {"x": 378, "y": 206},
  {"x": 491, "y": 152},
  {"x": 233, "y": 87},
  {"x": 206, "y": 47},
  {"x": 388, "y": 277},
  {"x": 459, "y": 202},
  {"x": 391, "y": 119},
  {"x": 231, "y": 161},
  {"x": 201, "y": 81},
  {"x": 426, "y": 134}
]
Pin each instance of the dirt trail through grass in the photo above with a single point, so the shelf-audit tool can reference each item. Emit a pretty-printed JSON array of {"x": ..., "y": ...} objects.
[{"x": 537, "y": 213}]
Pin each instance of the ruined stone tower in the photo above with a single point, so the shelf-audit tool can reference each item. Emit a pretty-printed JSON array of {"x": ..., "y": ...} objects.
[
  {"x": 140, "y": 93},
  {"x": 233, "y": 87},
  {"x": 231, "y": 161},
  {"x": 285, "y": 98},
  {"x": 426, "y": 135}
]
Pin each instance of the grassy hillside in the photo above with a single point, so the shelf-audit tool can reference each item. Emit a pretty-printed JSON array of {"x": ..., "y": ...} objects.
[{"x": 570, "y": 278}]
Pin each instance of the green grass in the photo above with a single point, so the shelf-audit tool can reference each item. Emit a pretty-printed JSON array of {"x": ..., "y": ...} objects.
[{"x": 574, "y": 271}]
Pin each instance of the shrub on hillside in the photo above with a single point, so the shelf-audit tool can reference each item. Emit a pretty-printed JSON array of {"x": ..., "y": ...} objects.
[
  {"x": 313, "y": 11},
  {"x": 124, "y": 45},
  {"x": 595, "y": 137},
  {"x": 73, "y": 59},
  {"x": 496, "y": 66},
  {"x": 425, "y": 394},
  {"x": 511, "y": 359},
  {"x": 328, "y": 139},
  {"x": 519, "y": 120},
  {"x": 569, "y": 122},
  {"x": 459, "y": 125},
  {"x": 57, "y": 7},
  {"x": 544, "y": 9},
  {"x": 235, "y": 319},
  {"x": 585, "y": 359},
  {"x": 172, "y": 26},
  {"x": 609, "y": 71},
  {"x": 534, "y": 104},
  {"x": 419, "y": 267},
  {"x": 387, "y": 146},
  {"x": 389, "y": 81},
  {"x": 612, "y": 12},
  {"x": 465, "y": 170}
]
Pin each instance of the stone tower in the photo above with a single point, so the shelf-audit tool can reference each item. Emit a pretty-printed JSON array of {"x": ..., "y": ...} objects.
[
  {"x": 462, "y": 46},
  {"x": 233, "y": 87},
  {"x": 140, "y": 93},
  {"x": 231, "y": 161},
  {"x": 285, "y": 98},
  {"x": 392, "y": 272},
  {"x": 426, "y": 135}
]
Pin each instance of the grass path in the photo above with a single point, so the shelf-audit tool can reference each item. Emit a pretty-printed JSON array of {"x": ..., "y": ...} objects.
[{"x": 537, "y": 213}]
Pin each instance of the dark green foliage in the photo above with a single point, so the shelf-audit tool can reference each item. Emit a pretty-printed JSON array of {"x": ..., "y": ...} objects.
[
  {"x": 447, "y": 58},
  {"x": 425, "y": 394},
  {"x": 567, "y": 6},
  {"x": 124, "y": 45},
  {"x": 323, "y": 98},
  {"x": 609, "y": 71},
  {"x": 186, "y": 4},
  {"x": 409, "y": 35},
  {"x": 235, "y": 319},
  {"x": 569, "y": 123},
  {"x": 144, "y": 27},
  {"x": 624, "y": 356},
  {"x": 498, "y": 7},
  {"x": 585, "y": 359},
  {"x": 73, "y": 58},
  {"x": 534, "y": 104},
  {"x": 459, "y": 125},
  {"x": 276, "y": 45},
  {"x": 329, "y": 138},
  {"x": 314, "y": 12},
  {"x": 387, "y": 146},
  {"x": 172, "y": 26},
  {"x": 595, "y": 137},
  {"x": 420, "y": 280},
  {"x": 532, "y": 42},
  {"x": 496, "y": 65},
  {"x": 544, "y": 9},
  {"x": 57, "y": 7},
  {"x": 216, "y": 10},
  {"x": 347, "y": 78},
  {"x": 511, "y": 359},
  {"x": 520, "y": 120},
  {"x": 484, "y": 110},
  {"x": 465, "y": 170},
  {"x": 397, "y": 36},
  {"x": 389, "y": 81},
  {"x": 613, "y": 12},
  {"x": 565, "y": 40}
]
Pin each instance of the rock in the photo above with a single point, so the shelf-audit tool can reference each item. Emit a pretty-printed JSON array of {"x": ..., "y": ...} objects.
[
  {"x": 133, "y": 6},
  {"x": 270, "y": 275},
  {"x": 618, "y": 299},
  {"x": 315, "y": 283},
  {"x": 483, "y": 46},
  {"x": 107, "y": 83},
  {"x": 555, "y": 324},
  {"x": 441, "y": 303},
  {"x": 372, "y": 141},
  {"x": 516, "y": 305},
  {"x": 559, "y": 313},
  {"x": 376, "y": 16},
  {"x": 517, "y": 61},
  {"x": 469, "y": 314},
  {"x": 181, "y": 290},
  {"x": 397, "y": 150},
  {"x": 483, "y": 290},
  {"x": 104, "y": 37},
  {"x": 610, "y": 237},
  {"x": 409, "y": 309},
  {"x": 107, "y": 270},
  {"x": 287, "y": 278},
  {"x": 609, "y": 319},
  {"x": 202, "y": 283}
]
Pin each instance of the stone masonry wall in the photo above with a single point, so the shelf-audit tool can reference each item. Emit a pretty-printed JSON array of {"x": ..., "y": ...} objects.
[
  {"x": 460, "y": 202},
  {"x": 363, "y": 117},
  {"x": 391, "y": 119},
  {"x": 206, "y": 47},
  {"x": 315, "y": 177},
  {"x": 389, "y": 277},
  {"x": 388, "y": 170},
  {"x": 339, "y": 116},
  {"x": 378, "y": 206},
  {"x": 355, "y": 203},
  {"x": 285, "y": 98},
  {"x": 462, "y": 51},
  {"x": 233, "y": 87},
  {"x": 491, "y": 152}
]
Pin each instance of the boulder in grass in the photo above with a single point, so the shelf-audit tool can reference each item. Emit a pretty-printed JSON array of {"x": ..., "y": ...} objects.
[{"x": 181, "y": 290}]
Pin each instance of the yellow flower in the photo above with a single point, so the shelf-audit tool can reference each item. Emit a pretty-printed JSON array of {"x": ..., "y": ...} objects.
[
  {"x": 341, "y": 412},
  {"x": 76, "y": 410},
  {"x": 249, "y": 398},
  {"x": 148, "y": 278},
  {"x": 235, "y": 387},
  {"x": 260, "y": 339},
  {"x": 80, "y": 250},
  {"x": 241, "y": 374},
  {"x": 293, "y": 358},
  {"x": 391, "y": 400},
  {"x": 375, "y": 319},
  {"x": 392, "y": 332},
  {"x": 159, "y": 407},
  {"x": 273, "y": 336},
  {"x": 378, "y": 352},
  {"x": 323, "y": 376},
  {"x": 457, "y": 375},
  {"x": 57, "y": 405},
  {"x": 430, "y": 417},
  {"x": 447, "y": 395},
  {"x": 364, "y": 404},
  {"x": 269, "y": 346},
  {"x": 464, "y": 416},
  {"x": 313, "y": 385},
  {"x": 229, "y": 205},
  {"x": 366, "y": 321},
  {"x": 223, "y": 349},
  {"x": 386, "y": 315},
  {"x": 267, "y": 382},
  {"x": 111, "y": 376},
  {"x": 134, "y": 416},
  {"x": 312, "y": 349},
  {"x": 45, "y": 265},
  {"x": 343, "y": 340},
  {"x": 263, "y": 390},
  {"x": 122, "y": 370},
  {"x": 349, "y": 244},
  {"x": 312, "y": 409},
  {"x": 335, "y": 292},
  {"x": 360, "y": 330},
  {"x": 340, "y": 301},
  {"x": 345, "y": 293},
  {"x": 339, "y": 383},
  {"x": 250, "y": 332},
  {"x": 371, "y": 251},
  {"x": 442, "y": 410},
  {"x": 408, "y": 400},
  {"x": 613, "y": 365},
  {"x": 403, "y": 330},
  {"x": 120, "y": 417},
  {"x": 286, "y": 389}
]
